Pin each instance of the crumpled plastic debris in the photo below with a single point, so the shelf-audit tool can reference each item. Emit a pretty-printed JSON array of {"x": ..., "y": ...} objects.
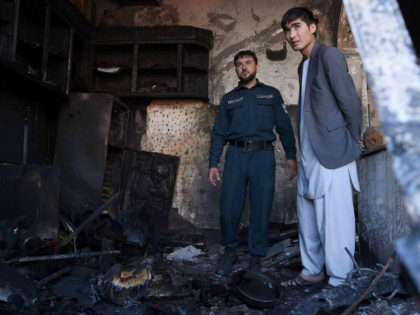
[{"x": 189, "y": 253}]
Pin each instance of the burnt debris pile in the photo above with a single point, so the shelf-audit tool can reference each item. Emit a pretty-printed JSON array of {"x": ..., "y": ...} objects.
[{"x": 101, "y": 264}]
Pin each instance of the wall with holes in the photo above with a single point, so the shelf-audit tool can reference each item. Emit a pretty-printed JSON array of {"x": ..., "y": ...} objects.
[{"x": 182, "y": 128}]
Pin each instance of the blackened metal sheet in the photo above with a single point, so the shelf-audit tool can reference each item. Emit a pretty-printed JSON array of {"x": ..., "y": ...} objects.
[
  {"x": 31, "y": 191},
  {"x": 151, "y": 185},
  {"x": 81, "y": 149}
]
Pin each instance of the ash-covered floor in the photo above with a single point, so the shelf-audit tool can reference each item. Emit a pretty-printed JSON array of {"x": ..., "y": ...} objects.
[{"x": 174, "y": 274}]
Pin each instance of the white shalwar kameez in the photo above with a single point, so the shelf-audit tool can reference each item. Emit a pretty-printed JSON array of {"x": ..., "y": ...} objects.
[{"x": 325, "y": 209}]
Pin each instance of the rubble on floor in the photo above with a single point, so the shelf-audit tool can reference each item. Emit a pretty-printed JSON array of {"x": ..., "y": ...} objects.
[{"x": 101, "y": 272}]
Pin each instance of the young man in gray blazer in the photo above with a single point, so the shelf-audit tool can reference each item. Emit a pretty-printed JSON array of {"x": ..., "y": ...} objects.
[{"x": 329, "y": 122}]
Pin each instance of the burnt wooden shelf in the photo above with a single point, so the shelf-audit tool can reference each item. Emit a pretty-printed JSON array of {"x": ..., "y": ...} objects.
[
  {"x": 44, "y": 53},
  {"x": 15, "y": 70},
  {"x": 43, "y": 38},
  {"x": 175, "y": 59},
  {"x": 162, "y": 95},
  {"x": 38, "y": 47},
  {"x": 194, "y": 69},
  {"x": 155, "y": 35},
  {"x": 168, "y": 70}
]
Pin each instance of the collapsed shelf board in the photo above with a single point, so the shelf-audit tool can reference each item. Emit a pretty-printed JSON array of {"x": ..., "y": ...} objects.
[{"x": 163, "y": 61}]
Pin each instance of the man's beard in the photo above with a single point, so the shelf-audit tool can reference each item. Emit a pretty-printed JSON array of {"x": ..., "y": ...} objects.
[{"x": 248, "y": 78}]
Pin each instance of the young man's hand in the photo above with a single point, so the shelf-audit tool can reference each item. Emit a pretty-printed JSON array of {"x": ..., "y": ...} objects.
[
  {"x": 214, "y": 176},
  {"x": 291, "y": 169}
]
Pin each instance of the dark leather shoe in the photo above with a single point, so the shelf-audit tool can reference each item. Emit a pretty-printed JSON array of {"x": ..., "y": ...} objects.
[
  {"x": 254, "y": 264},
  {"x": 225, "y": 264}
]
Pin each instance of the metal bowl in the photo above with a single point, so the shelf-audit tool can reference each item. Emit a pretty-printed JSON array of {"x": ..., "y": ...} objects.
[{"x": 256, "y": 289}]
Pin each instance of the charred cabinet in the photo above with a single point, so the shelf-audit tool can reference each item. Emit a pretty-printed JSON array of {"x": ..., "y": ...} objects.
[
  {"x": 40, "y": 42},
  {"x": 152, "y": 62},
  {"x": 91, "y": 150}
]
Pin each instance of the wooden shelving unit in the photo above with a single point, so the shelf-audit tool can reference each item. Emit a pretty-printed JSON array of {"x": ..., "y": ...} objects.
[
  {"x": 43, "y": 44},
  {"x": 152, "y": 62},
  {"x": 41, "y": 38}
]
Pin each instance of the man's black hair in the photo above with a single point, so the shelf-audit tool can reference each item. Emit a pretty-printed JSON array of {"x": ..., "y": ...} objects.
[
  {"x": 304, "y": 14},
  {"x": 244, "y": 53}
]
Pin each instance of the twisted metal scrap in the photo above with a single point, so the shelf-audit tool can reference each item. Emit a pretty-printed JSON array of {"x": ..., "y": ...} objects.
[{"x": 394, "y": 77}]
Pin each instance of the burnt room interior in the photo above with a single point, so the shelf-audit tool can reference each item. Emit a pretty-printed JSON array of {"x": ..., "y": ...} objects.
[{"x": 106, "y": 108}]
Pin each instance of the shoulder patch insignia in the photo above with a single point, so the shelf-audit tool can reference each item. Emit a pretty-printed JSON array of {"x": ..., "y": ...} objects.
[{"x": 284, "y": 108}]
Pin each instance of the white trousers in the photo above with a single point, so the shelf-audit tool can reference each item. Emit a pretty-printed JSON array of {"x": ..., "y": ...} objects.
[{"x": 326, "y": 227}]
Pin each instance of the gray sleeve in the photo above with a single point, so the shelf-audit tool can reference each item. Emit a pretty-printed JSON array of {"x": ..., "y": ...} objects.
[{"x": 344, "y": 91}]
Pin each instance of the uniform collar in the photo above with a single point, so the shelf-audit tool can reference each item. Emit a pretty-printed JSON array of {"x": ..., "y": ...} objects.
[{"x": 242, "y": 87}]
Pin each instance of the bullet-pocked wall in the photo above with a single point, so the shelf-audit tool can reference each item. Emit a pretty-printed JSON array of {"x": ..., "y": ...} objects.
[{"x": 182, "y": 127}]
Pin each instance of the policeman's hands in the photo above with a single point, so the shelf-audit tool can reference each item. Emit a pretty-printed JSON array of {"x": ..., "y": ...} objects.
[
  {"x": 214, "y": 176},
  {"x": 290, "y": 169}
]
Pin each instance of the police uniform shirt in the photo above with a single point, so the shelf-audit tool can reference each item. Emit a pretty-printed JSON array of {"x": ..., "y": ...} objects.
[{"x": 250, "y": 114}]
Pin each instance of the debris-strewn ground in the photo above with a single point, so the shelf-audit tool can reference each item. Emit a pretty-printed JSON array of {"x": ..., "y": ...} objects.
[{"x": 172, "y": 274}]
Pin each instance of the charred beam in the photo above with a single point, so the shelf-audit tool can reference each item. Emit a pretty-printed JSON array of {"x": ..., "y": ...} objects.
[
  {"x": 53, "y": 276},
  {"x": 66, "y": 256}
]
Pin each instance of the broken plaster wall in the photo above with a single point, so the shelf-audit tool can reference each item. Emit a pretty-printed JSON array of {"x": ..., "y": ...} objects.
[{"x": 182, "y": 127}]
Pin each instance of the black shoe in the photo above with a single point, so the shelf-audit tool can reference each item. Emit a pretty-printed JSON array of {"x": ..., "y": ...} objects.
[
  {"x": 225, "y": 264},
  {"x": 254, "y": 264}
]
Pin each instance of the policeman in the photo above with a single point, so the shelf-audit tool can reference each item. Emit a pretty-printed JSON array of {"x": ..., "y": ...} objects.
[{"x": 246, "y": 119}]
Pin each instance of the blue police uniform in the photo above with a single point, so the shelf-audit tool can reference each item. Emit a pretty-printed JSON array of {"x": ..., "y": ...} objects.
[{"x": 246, "y": 120}]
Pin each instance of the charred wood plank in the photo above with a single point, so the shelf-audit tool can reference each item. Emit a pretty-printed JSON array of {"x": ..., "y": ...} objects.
[
  {"x": 53, "y": 276},
  {"x": 283, "y": 235},
  {"x": 290, "y": 252},
  {"x": 277, "y": 248},
  {"x": 64, "y": 256}
]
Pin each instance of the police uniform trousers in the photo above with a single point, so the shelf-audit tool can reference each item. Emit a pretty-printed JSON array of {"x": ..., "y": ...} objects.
[
  {"x": 327, "y": 226},
  {"x": 254, "y": 169}
]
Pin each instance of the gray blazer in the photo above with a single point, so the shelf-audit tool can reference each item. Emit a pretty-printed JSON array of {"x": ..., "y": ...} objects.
[{"x": 332, "y": 110}]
